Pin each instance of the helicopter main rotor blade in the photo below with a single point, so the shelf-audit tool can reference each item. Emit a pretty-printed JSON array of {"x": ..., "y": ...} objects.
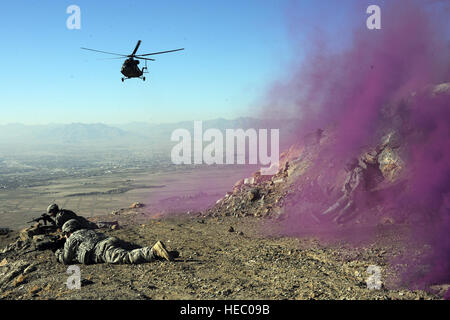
[
  {"x": 123, "y": 58},
  {"x": 149, "y": 54},
  {"x": 137, "y": 46},
  {"x": 116, "y": 54},
  {"x": 139, "y": 58},
  {"x": 111, "y": 58}
]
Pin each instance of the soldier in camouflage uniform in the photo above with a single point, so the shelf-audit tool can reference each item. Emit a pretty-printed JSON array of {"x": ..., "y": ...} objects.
[
  {"x": 61, "y": 216},
  {"x": 88, "y": 247}
]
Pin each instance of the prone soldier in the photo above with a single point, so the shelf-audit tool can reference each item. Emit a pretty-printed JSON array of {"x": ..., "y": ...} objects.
[
  {"x": 88, "y": 247},
  {"x": 46, "y": 231},
  {"x": 61, "y": 216}
]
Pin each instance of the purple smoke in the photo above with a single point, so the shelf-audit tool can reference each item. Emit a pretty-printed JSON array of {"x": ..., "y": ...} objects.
[{"x": 347, "y": 92}]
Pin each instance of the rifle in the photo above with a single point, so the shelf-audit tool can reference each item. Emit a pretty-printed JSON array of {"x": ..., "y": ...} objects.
[
  {"x": 51, "y": 243},
  {"x": 44, "y": 218},
  {"x": 54, "y": 243}
]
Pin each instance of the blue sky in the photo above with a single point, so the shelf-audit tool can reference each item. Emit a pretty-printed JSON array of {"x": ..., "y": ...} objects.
[{"x": 233, "y": 50}]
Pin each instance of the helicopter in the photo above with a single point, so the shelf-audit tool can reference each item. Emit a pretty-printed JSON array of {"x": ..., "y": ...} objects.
[{"x": 130, "y": 67}]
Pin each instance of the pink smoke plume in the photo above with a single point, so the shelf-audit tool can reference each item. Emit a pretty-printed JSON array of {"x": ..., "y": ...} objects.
[{"x": 346, "y": 89}]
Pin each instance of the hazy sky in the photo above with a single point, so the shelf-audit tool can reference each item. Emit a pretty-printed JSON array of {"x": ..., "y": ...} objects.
[{"x": 233, "y": 50}]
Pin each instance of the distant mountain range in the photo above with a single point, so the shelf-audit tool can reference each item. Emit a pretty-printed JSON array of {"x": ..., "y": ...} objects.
[
  {"x": 74, "y": 133},
  {"x": 125, "y": 134}
]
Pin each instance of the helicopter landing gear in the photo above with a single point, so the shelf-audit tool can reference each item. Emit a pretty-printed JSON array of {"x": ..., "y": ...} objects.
[
  {"x": 143, "y": 78},
  {"x": 123, "y": 79}
]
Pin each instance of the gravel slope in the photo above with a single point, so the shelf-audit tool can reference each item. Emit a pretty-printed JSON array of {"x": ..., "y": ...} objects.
[{"x": 215, "y": 263}]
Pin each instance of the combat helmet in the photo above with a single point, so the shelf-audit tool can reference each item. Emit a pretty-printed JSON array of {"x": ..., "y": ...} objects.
[
  {"x": 53, "y": 208},
  {"x": 71, "y": 226}
]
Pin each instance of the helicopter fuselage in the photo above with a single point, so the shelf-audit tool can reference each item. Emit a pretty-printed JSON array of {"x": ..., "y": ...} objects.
[{"x": 130, "y": 69}]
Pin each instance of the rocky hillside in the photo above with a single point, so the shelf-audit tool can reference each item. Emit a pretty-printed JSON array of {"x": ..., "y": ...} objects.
[{"x": 312, "y": 173}]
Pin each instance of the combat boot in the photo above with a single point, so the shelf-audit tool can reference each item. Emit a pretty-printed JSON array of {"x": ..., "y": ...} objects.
[{"x": 159, "y": 250}]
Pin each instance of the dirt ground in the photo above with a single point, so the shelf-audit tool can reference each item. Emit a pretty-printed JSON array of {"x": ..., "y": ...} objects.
[{"x": 216, "y": 262}]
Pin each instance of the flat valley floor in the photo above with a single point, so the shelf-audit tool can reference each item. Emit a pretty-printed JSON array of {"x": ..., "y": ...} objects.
[{"x": 102, "y": 194}]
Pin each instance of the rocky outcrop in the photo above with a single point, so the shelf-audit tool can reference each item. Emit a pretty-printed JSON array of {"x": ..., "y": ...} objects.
[
  {"x": 310, "y": 175},
  {"x": 12, "y": 273}
]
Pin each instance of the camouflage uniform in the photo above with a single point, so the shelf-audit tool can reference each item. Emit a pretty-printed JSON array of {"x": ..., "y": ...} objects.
[
  {"x": 61, "y": 216},
  {"x": 87, "y": 247},
  {"x": 65, "y": 215}
]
